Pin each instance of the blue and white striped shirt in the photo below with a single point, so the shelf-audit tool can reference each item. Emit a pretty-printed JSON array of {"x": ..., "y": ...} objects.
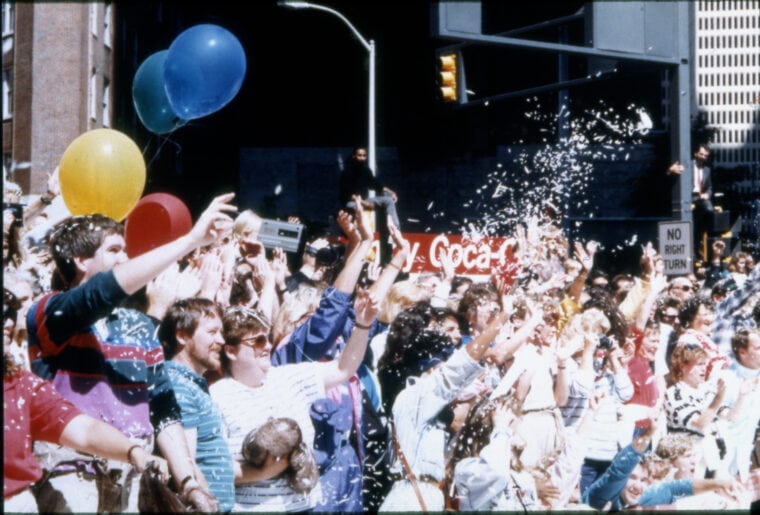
[{"x": 200, "y": 412}]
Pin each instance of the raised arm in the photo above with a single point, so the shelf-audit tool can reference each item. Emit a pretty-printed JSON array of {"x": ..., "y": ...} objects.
[
  {"x": 213, "y": 224},
  {"x": 481, "y": 343},
  {"x": 352, "y": 268},
  {"x": 340, "y": 370},
  {"x": 390, "y": 272},
  {"x": 586, "y": 258}
]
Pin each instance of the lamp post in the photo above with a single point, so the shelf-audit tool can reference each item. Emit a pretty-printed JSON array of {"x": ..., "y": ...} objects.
[{"x": 370, "y": 47}]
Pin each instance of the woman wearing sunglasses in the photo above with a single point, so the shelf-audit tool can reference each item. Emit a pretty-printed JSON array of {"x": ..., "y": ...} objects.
[{"x": 253, "y": 391}]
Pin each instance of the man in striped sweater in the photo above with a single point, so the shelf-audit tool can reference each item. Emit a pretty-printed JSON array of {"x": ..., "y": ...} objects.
[{"x": 107, "y": 360}]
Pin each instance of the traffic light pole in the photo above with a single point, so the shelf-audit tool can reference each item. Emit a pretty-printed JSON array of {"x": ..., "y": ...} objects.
[
  {"x": 371, "y": 116},
  {"x": 369, "y": 46}
]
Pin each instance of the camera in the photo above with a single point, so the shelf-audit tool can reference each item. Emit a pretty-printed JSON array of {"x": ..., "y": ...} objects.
[
  {"x": 605, "y": 343},
  {"x": 330, "y": 255},
  {"x": 18, "y": 213},
  {"x": 285, "y": 235}
]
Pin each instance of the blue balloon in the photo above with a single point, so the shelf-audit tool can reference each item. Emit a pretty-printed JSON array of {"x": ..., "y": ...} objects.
[
  {"x": 149, "y": 96},
  {"x": 204, "y": 70}
]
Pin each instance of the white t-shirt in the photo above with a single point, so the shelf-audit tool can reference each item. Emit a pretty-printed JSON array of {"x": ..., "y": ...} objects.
[{"x": 288, "y": 391}]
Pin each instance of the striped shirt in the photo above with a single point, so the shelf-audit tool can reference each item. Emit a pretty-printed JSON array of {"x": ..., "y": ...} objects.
[
  {"x": 288, "y": 391},
  {"x": 201, "y": 413},
  {"x": 105, "y": 360}
]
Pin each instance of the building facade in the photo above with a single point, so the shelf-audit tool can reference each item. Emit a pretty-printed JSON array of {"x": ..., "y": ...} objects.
[
  {"x": 57, "y": 73},
  {"x": 727, "y": 93}
]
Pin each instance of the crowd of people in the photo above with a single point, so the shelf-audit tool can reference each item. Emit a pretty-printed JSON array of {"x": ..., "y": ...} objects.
[{"x": 253, "y": 380}]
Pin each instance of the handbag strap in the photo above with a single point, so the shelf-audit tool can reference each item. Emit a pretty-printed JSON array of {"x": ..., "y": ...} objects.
[{"x": 407, "y": 468}]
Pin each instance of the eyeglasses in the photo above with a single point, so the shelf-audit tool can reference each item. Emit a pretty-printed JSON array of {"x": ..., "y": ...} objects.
[
  {"x": 256, "y": 342},
  {"x": 684, "y": 287},
  {"x": 668, "y": 318}
]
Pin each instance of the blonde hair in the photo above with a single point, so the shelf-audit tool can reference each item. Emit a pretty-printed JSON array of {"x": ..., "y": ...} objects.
[
  {"x": 685, "y": 354},
  {"x": 592, "y": 321},
  {"x": 294, "y": 307},
  {"x": 246, "y": 222},
  {"x": 402, "y": 295}
]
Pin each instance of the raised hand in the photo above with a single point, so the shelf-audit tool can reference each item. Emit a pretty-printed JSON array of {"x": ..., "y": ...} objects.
[
  {"x": 212, "y": 273},
  {"x": 447, "y": 266},
  {"x": 676, "y": 168},
  {"x": 507, "y": 273},
  {"x": 215, "y": 222},
  {"x": 279, "y": 267},
  {"x": 366, "y": 307},
  {"x": 362, "y": 221},
  {"x": 189, "y": 282},
  {"x": 585, "y": 255},
  {"x": 401, "y": 243},
  {"x": 373, "y": 271},
  {"x": 162, "y": 291},
  {"x": 502, "y": 415}
]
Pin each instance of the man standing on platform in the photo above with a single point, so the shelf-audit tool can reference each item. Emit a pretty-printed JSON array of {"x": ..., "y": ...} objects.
[{"x": 701, "y": 192}]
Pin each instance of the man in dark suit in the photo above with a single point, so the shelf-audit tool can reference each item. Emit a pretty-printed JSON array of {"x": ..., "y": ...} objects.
[{"x": 701, "y": 193}]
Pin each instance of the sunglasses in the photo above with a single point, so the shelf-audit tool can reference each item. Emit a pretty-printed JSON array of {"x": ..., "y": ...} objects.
[
  {"x": 256, "y": 342},
  {"x": 668, "y": 318},
  {"x": 685, "y": 287}
]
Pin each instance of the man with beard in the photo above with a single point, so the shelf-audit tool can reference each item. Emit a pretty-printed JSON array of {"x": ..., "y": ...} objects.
[{"x": 191, "y": 335}]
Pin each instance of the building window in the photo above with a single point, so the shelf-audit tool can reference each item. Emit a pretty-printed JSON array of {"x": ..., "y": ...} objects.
[
  {"x": 8, "y": 166},
  {"x": 9, "y": 18},
  {"x": 94, "y": 24},
  {"x": 7, "y": 94},
  {"x": 93, "y": 96},
  {"x": 106, "y": 102},
  {"x": 107, "y": 35}
]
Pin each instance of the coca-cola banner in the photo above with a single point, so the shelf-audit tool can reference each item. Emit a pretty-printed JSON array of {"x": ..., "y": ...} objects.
[{"x": 469, "y": 257}]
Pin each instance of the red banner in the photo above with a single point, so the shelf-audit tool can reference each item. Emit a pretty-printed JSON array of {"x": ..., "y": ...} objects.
[{"x": 468, "y": 256}]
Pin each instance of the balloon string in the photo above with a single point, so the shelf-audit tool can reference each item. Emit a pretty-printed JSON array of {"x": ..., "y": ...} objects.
[{"x": 158, "y": 150}]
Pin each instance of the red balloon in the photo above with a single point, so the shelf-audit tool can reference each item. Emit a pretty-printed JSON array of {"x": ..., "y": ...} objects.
[{"x": 157, "y": 218}]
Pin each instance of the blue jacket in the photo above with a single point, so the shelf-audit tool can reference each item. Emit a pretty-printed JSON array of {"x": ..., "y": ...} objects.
[
  {"x": 318, "y": 339},
  {"x": 610, "y": 485},
  {"x": 315, "y": 338}
]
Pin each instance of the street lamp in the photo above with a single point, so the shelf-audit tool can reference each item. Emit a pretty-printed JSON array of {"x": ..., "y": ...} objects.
[{"x": 370, "y": 47}]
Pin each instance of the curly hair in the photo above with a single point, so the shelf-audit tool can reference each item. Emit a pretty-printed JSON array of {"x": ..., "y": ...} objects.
[
  {"x": 282, "y": 437},
  {"x": 477, "y": 294},
  {"x": 78, "y": 237},
  {"x": 473, "y": 437},
  {"x": 673, "y": 445},
  {"x": 601, "y": 299},
  {"x": 237, "y": 322},
  {"x": 690, "y": 308},
  {"x": 411, "y": 348},
  {"x": 685, "y": 354},
  {"x": 663, "y": 303}
]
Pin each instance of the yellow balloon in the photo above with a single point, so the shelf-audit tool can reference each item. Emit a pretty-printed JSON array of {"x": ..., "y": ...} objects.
[{"x": 102, "y": 171}]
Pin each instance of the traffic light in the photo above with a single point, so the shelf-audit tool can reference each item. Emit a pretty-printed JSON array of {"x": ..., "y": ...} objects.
[{"x": 448, "y": 71}]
